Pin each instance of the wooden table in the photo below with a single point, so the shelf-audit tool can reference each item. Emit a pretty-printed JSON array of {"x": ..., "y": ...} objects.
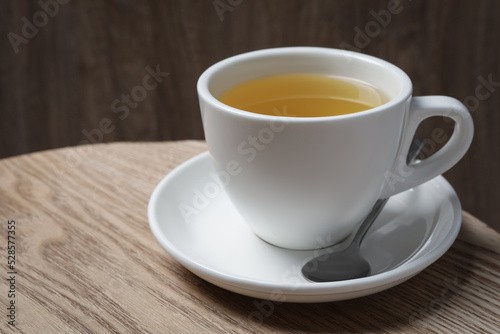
[{"x": 87, "y": 262}]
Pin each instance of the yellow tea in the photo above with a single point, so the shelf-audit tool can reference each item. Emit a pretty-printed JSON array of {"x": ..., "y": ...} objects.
[{"x": 303, "y": 95}]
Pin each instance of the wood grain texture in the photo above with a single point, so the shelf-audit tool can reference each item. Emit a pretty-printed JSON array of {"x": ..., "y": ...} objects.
[
  {"x": 88, "y": 263},
  {"x": 64, "y": 81}
]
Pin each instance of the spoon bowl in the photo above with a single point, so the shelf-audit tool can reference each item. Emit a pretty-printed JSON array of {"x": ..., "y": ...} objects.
[{"x": 344, "y": 265}]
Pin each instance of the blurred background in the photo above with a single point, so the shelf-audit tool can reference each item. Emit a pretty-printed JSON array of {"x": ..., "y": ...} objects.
[{"x": 80, "y": 72}]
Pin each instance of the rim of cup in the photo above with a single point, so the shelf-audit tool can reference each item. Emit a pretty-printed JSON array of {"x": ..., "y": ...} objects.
[{"x": 396, "y": 75}]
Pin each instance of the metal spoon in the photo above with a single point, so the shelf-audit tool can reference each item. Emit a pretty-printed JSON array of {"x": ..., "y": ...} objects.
[{"x": 348, "y": 263}]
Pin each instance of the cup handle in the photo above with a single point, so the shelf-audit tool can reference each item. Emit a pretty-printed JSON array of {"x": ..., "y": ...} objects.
[{"x": 406, "y": 175}]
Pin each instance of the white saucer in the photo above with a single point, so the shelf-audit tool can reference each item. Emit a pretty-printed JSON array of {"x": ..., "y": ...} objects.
[{"x": 194, "y": 221}]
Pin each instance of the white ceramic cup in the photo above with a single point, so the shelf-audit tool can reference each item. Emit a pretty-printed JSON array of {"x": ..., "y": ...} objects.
[{"x": 307, "y": 182}]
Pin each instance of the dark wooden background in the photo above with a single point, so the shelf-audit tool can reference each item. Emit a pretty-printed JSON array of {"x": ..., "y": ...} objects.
[{"x": 74, "y": 78}]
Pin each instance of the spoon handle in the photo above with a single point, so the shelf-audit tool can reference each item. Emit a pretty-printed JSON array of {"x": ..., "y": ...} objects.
[
  {"x": 367, "y": 223},
  {"x": 415, "y": 149}
]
